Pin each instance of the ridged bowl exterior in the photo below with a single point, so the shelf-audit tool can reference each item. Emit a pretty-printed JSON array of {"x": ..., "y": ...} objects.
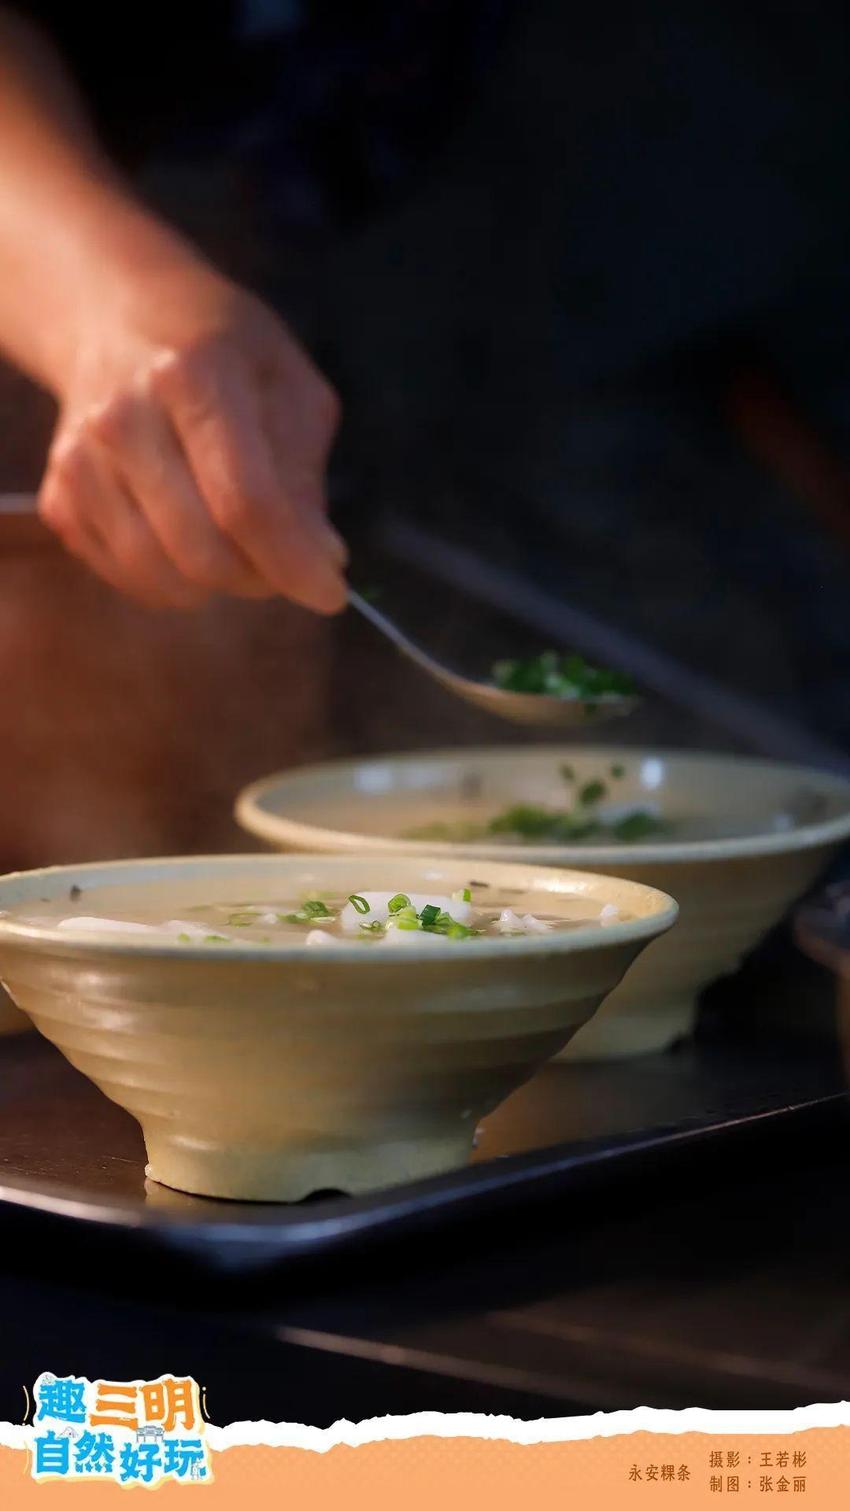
[
  {"x": 269, "y": 1078},
  {"x": 726, "y": 908}
]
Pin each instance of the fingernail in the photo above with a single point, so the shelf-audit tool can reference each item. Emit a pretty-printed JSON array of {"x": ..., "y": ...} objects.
[
  {"x": 328, "y": 594},
  {"x": 332, "y": 543}
]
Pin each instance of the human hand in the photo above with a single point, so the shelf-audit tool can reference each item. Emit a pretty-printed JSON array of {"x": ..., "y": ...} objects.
[{"x": 190, "y": 451}]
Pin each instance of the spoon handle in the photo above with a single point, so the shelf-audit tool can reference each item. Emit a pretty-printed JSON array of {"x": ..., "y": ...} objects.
[{"x": 391, "y": 630}]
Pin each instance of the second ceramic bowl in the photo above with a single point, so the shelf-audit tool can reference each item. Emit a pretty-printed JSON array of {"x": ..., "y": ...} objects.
[{"x": 746, "y": 839}]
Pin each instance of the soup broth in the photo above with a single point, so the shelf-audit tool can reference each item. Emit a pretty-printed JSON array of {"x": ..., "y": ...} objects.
[{"x": 372, "y": 918}]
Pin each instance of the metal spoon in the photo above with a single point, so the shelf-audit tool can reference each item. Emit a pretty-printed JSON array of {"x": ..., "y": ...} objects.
[{"x": 518, "y": 708}]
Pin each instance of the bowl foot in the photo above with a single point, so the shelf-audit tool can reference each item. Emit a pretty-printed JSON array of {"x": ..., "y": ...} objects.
[
  {"x": 289, "y": 1174},
  {"x": 621, "y": 1030}
]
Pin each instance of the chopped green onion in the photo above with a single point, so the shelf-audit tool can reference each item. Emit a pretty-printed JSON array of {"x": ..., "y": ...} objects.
[
  {"x": 561, "y": 676},
  {"x": 459, "y": 931},
  {"x": 215, "y": 939},
  {"x": 592, "y": 792},
  {"x": 359, "y": 903},
  {"x": 429, "y": 915},
  {"x": 531, "y": 823},
  {"x": 185, "y": 938},
  {"x": 618, "y": 772},
  {"x": 401, "y": 900},
  {"x": 402, "y": 922},
  {"x": 568, "y": 774},
  {"x": 638, "y": 825},
  {"x": 316, "y": 909},
  {"x": 375, "y": 927},
  {"x": 464, "y": 895},
  {"x": 406, "y": 915},
  {"x": 442, "y": 924}
]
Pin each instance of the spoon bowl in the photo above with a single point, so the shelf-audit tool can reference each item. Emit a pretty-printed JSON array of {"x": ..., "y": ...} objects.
[{"x": 540, "y": 709}]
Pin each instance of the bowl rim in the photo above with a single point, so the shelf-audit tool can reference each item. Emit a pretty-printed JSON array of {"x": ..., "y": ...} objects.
[
  {"x": 276, "y": 829},
  {"x": 593, "y": 937}
]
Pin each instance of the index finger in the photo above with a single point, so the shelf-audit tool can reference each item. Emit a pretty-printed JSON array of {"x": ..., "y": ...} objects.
[{"x": 216, "y": 409}]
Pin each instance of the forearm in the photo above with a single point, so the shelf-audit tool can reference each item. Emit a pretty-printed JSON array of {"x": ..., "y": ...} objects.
[
  {"x": 191, "y": 445},
  {"x": 71, "y": 233}
]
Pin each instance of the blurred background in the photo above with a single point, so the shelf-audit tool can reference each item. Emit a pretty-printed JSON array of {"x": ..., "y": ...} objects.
[
  {"x": 581, "y": 280},
  {"x": 581, "y": 277}
]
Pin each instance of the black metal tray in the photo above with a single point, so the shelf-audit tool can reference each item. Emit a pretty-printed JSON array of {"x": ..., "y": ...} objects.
[{"x": 72, "y": 1163}]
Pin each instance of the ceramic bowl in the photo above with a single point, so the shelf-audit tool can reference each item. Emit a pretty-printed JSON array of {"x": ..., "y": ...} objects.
[
  {"x": 269, "y": 1072},
  {"x": 748, "y": 837}
]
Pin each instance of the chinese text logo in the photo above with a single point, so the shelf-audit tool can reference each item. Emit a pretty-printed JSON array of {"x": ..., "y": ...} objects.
[{"x": 136, "y": 1432}]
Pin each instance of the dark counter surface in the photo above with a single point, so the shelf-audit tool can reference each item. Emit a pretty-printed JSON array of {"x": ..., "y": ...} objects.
[
  {"x": 720, "y": 1282},
  {"x": 721, "y": 1286}
]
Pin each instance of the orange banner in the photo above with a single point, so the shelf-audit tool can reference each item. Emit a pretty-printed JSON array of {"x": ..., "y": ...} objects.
[{"x": 643, "y": 1470}]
